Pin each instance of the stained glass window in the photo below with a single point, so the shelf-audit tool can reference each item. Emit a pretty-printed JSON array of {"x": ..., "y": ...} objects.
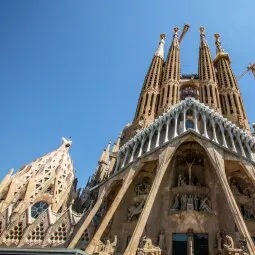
[{"x": 38, "y": 208}]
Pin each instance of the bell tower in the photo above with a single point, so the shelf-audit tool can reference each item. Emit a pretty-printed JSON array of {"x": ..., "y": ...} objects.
[
  {"x": 230, "y": 97},
  {"x": 209, "y": 94},
  {"x": 169, "y": 92},
  {"x": 149, "y": 97}
]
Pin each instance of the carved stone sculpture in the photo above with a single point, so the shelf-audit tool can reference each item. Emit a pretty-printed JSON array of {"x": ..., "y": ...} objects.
[
  {"x": 204, "y": 206},
  {"x": 183, "y": 202},
  {"x": 136, "y": 209},
  {"x": 176, "y": 204},
  {"x": 229, "y": 247},
  {"x": 147, "y": 248},
  {"x": 106, "y": 249},
  {"x": 142, "y": 188}
]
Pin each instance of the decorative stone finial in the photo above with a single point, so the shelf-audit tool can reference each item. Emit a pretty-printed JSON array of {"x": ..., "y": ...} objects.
[
  {"x": 66, "y": 142},
  {"x": 160, "y": 50},
  {"x": 163, "y": 36},
  {"x": 176, "y": 29},
  {"x": 218, "y": 43},
  {"x": 202, "y": 30}
]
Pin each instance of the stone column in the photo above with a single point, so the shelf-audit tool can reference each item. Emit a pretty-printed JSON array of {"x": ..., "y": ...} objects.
[
  {"x": 204, "y": 123},
  {"x": 219, "y": 165},
  {"x": 117, "y": 163},
  {"x": 133, "y": 151},
  {"x": 141, "y": 146},
  {"x": 149, "y": 143},
  {"x": 87, "y": 221},
  {"x": 167, "y": 130},
  {"x": 240, "y": 145},
  {"x": 214, "y": 132},
  {"x": 107, "y": 218},
  {"x": 232, "y": 140},
  {"x": 163, "y": 164},
  {"x": 184, "y": 120},
  {"x": 223, "y": 136},
  {"x": 175, "y": 125},
  {"x": 125, "y": 158},
  {"x": 158, "y": 135},
  {"x": 195, "y": 120},
  {"x": 190, "y": 244}
]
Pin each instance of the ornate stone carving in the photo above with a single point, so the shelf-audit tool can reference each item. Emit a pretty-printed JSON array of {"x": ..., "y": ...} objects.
[
  {"x": 135, "y": 209},
  {"x": 191, "y": 202},
  {"x": 229, "y": 247},
  {"x": 142, "y": 190},
  {"x": 106, "y": 249},
  {"x": 147, "y": 248}
]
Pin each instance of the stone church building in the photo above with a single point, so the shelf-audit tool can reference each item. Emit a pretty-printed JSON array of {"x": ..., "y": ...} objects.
[{"x": 180, "y": 179}]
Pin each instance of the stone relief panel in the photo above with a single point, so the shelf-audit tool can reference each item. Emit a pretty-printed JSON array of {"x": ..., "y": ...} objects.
[{"x": 142, "y": 190}]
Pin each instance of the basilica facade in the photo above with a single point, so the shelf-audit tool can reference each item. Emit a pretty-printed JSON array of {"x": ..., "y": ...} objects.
[{"x": 180, "y": 179}]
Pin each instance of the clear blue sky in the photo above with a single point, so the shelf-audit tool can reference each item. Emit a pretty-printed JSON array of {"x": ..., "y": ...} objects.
[{"x": 75, "y": 68}]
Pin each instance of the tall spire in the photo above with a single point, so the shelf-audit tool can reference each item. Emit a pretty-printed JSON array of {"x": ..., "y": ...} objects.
[
  {"x": 103, "y": 164},
  {"x": 149, "y": 96},
  {"x": 169, "y": 92},
  {"x": 230, "y": 98},
  {"x": 208, "y": 87}
]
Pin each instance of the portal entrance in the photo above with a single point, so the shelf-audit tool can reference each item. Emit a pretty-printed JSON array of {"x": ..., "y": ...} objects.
[
  {"x": 180, "y": 244},
  {"x": 190, "y": 244}
]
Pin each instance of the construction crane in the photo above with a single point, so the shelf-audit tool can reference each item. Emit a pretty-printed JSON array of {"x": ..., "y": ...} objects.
[
  {"x": 184, "y": 31},
  {"x": 250, "y": 67}
]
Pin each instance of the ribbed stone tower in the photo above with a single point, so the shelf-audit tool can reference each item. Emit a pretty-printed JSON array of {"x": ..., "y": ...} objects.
[
  {"x": 180, "y": 179},
  {"x": 230, "y": 97},
  {"x": 209, "y": 93}
]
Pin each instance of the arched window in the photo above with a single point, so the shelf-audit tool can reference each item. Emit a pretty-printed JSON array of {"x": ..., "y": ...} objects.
[
  {"x": 189, "y": 124},
  {"x": 38, "y": 208}
]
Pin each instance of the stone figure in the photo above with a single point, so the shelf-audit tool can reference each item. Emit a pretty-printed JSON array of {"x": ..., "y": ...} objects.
[
  {"x": 176, "y": 204},
  {"x": 147, "y": 248},
  {"x": 190, "y": 205},
  {"x": 181, "y": 180},
  {"x": 183, "y": 202},
  {"x": 229, "y": 247},
  {"x": 234, "y": 187},
  {"x": 248, "y": 212},
  {"x": 106, "y": 249},
  {"x": 135, "y": 209},
  {"x": 142, "y": 188},
  {"x": 195, "y": 198}
]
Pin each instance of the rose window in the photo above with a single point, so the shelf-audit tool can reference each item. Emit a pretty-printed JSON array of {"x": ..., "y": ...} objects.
[{"x": 38, "y": 208}]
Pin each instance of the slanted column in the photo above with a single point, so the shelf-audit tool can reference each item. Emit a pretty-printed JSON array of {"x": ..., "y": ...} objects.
[
  {"x": 184, "y": 120},
  {"x": 232, "y": 140},
  {"x": 214, "y": 132},
  {"x": 195, "y": 120},
  {"x": 141, "y": 147},
  {"x": 158, "y": 135},
  {"x": 150, "y": 139},
  {"x": 223, "y": 135},
  {"x": 219, "y": 165},
  {"x": 107, "y": 218},
  {"x": 133, "y": 151},
  {"x": 204, "y": 124},
  {"x": 175, "y": 124},
  {"x": 167, "y": 130},
  {"x": 125, "y": 158},
  {"x": 87, "y": 221},
  {"x": 163, "y": 164}
]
